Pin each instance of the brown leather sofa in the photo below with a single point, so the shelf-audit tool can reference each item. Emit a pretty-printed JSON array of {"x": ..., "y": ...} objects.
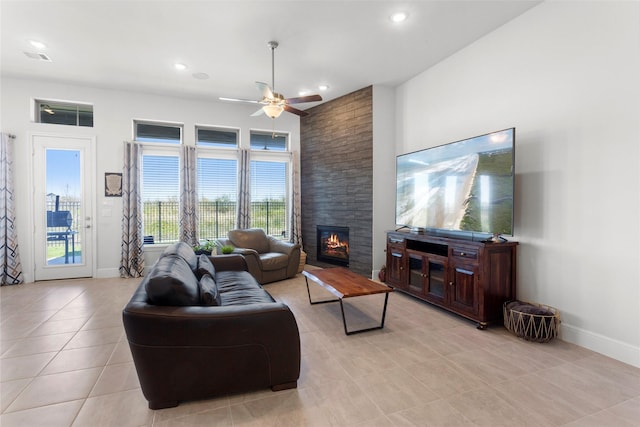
[
  {"x": 268, "y": 259},
  {"x": 193, "y": 340}
]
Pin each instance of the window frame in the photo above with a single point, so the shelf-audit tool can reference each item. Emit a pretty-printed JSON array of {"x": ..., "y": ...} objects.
[
  {"x": 39, "y": 102},
  {"x": 157, "y": 148},
  {"x": 286, "y": 135},
  {"x": 219, "y": 129},
  {"x": 278, "y": 156},
  {"x": 180, "y": 126}
]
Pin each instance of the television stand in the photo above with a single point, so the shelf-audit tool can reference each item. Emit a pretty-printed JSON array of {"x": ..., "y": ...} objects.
[{"x": 470, "y": 278}]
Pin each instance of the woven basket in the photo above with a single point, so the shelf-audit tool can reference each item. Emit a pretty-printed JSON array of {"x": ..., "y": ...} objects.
[
  {"x": 303, "y": 261},
  {"x": 532, "y": 327}
]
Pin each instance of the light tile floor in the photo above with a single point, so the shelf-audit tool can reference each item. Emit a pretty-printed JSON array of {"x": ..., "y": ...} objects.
[{"x": 65, "y": 362}]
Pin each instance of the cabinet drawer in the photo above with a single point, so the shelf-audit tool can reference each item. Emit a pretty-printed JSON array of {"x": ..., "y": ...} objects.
[
  {"x": 471, "y": 254},
  {"x": 396, "y": 241}
]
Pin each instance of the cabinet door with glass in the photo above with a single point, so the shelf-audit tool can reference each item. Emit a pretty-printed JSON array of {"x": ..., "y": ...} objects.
[{"x": 427, "y": 276}]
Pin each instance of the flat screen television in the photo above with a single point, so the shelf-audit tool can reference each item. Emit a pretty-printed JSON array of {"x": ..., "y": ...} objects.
[{"x": 464, "y": 187}]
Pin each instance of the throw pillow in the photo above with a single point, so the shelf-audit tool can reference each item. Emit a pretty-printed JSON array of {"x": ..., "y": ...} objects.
[
  {"x": 209, "y": 294},
  {"x": 185, "y": 251},
  {"x": 171, "y": 282},
  {"x": 205, "y": 266}
]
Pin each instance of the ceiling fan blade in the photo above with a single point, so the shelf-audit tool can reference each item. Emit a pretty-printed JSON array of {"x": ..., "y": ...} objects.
[
  {"x": 295, "y": 111},
  {"x": 265, "y": 90},
  {"x": 222, "y": 98},
  {"x": 257, "y": 113},
  {"x": 300, "y": 100}
]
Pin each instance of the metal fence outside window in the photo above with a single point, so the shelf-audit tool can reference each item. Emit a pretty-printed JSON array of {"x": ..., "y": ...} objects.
[{"x": 161, "y": 219}]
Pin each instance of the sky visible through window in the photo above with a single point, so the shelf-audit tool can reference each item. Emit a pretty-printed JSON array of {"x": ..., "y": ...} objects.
[{"x": 63, "y": 173}]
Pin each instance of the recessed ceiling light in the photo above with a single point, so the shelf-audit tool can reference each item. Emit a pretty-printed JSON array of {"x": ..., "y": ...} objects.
[
  {"x": 323, "y": 87},
  {"x": 398, "y": 17},
  {"x": 37, "y": 44},
  {"x": 180, "y": 66},
  {"x": 303, "y": 93}
]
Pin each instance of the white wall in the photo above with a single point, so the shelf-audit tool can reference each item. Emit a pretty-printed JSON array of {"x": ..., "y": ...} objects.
[
  {"x": 566, "y": 75},
  {"x": 384, "y": 169},
  {"x": 114, "y": 112}
]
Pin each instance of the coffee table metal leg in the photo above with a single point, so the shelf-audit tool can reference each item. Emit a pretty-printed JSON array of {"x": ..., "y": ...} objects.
[
  {"x": 317, "y": 302},
  {"x": 384, "y": 313}
]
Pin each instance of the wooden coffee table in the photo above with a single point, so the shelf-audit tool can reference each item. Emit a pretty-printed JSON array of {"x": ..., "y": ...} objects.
[{"x": 343, "y": 283}]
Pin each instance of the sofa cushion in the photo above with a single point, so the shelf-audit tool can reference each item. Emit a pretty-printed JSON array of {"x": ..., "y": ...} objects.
[
  {"x": 235, "y": 280},
  {"x": 252, "y": 238},
  {"x": 274, "y": 261},
  {"x": 205, "y": 266},
  {"x": 185, "y": 251},
  {"x": 172, "y": 282},
  {"x": 209, "y": 294},
  {"x": 245, "y": 297}
]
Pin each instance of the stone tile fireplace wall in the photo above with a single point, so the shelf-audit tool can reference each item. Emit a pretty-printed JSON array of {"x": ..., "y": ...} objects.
[{"x": 336, "y": 174}]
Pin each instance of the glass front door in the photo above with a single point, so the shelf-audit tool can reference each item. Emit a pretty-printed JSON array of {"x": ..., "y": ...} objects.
[{"x": 63, "y": 210}]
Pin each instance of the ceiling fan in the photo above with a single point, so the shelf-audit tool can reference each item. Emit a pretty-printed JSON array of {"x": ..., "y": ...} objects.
[{"x": 274, "y": 103}]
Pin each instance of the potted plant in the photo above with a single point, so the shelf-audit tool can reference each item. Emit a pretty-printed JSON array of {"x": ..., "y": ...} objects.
[
  {"x": 204, "y": 248},
  {"x": 227, "y": 249}
]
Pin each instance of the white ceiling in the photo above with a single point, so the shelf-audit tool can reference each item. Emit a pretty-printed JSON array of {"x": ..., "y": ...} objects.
[{"x": 133, "y": 45}]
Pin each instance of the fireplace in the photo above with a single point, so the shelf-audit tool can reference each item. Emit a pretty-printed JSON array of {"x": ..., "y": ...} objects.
[{"x": 333, "y": 245}]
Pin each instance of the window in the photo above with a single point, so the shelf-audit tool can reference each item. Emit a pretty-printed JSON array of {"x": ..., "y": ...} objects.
[
  {"x": 64, "y": 113},
  {"x": 271, "y": 141},
  {"x": 160, "y": 181},
  {"x": 216, "y": 138},
  {"x": 269, "y": 197},
  {"x": 217, "y": 181},
  {"x": 270, "y": 173},
  {"x": 150, "y": 132}
]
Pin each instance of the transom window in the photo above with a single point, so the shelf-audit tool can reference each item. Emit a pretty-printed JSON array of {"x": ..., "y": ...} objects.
[
  {"x": 64, "y": 113},
  {"x": 218, "y": 138},
  {"x": 271, "y": 141},
  {"x": 161, "y": 133}
]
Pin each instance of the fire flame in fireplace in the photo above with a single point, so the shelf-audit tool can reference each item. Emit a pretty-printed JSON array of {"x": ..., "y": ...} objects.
[
  {"x": 333, "y": 241},
  {"x": 335, "y": 247}
]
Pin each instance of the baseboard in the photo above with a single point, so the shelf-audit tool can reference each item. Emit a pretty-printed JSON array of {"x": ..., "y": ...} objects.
[
  {"x": 105, "y": 273},
  {"x": 615, "y": 349}
]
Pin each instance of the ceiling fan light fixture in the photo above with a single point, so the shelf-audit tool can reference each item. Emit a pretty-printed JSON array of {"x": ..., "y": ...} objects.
[{"x": 273, "y": 110}]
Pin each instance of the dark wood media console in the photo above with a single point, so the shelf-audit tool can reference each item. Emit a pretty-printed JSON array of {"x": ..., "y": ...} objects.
[{"x": 467, "y": 277}]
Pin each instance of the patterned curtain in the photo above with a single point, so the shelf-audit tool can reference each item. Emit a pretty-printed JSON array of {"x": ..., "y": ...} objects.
[
  {"x": 188, "y": 195},
  {"x": 296, "y": 219},
  {"x": 11, "y": 269},
  {"x": 244, "y": 187},
  {"x": 132, "y": 263}
]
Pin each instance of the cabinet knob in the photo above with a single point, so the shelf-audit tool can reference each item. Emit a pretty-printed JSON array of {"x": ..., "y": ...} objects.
[
  {"x": 462, "y": 254},
  {"x": 450, "y": 283}
]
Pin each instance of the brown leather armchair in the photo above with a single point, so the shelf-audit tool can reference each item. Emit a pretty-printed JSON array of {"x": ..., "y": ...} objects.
[{"x": 268, "y": 259}]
